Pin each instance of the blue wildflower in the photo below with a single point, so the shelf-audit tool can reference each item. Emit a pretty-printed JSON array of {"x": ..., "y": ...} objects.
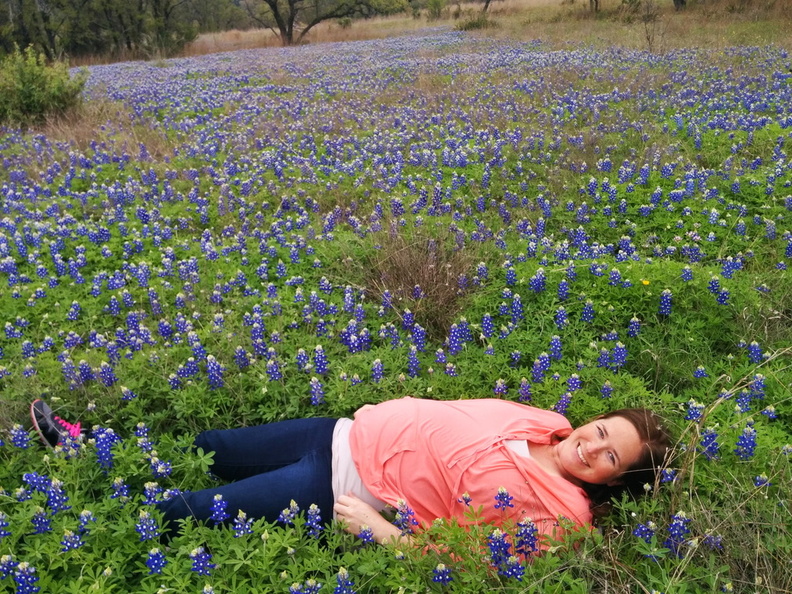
[
  {"x": 500, "y": 388},
  {"x": 155, "y": 561},
  {"x": 242, "y": 525},
  {"x": 366, "y": 535},
  {"x": 26, "y": 578},
  {"x": 665, "y": 303},
  {"x": 218, "y": 509},
  {"x": 317, "y": 392},
  {"x": 708, "y": 444},
  {"x": 441, "y": 575},
  {"x": 201, "y": 561},
  {"x": 70, "y": 541},
  {"x": 20, "y": 438},
  {"x": 526, "y": 538},
  {"x": 524, "y": 390},
  {"x": 41, "y": 522},
  {"x": 645, "y": 531},
  {"x": 313, "y": 521},
  {"x": 677, "y": 531},
  {"x": 288, "y": 514},
  {"x": 606, "y": 390},
  {"x": 343, "y": 584},
  {"x": 146, "y": 526},
  {"x": 746, "y": 443},
  {"x": 377, "y": 371}
]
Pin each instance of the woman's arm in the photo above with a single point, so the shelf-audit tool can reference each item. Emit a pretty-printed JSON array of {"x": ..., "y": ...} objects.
[{"x": 357, "y": 513}]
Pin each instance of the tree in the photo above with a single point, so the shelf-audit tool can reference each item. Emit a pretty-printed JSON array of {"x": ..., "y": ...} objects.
[{"x": 297, "y": 17}]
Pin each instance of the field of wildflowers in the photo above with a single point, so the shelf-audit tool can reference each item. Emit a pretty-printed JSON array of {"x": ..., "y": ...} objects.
[{"x": 269, "y": 234}]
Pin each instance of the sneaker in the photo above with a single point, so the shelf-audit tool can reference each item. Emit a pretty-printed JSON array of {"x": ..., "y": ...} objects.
[{"x": 50, "y": 427}]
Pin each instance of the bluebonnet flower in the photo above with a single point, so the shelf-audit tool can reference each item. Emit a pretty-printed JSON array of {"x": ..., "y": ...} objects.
[
  {"x": 450, "y": 370},
  {"x": 634, "y": 327},
  {"x": 537, "y": 371},
  {"x": 288, "y": 514},
  {"x": 487, "y": 326},
  {"x": 511, "y": 276},
  {"x": 57, "y": 500},
  {"x": 645, "y": 531},
  {"x": 343, "y": 584},
  {"x": 26, "y": 578},
  {"x": 561, "y": 320},
  {"x": 214, "y": 371},
  {"x": 762, "y": 481},
  {"x": 37, "y": 482},
  {"x": 665, "y": 303},
  {"x": 70, "y": 541},
  {"x": 120, "y": 490},
  {"x": 555, "y": 347},
  {"x": 440, "y": 356},
  {"x": 320, "y": 360},
  {"x": 687, "y": 274},
  {"x": 418, "y": 337},
  {"x": 20, "y": 438},
  {"x": 755, "y": 354},
  {"x": 41, "y": 522},
  {"x": 3, "y": 525},
  {"x": 106, "y": 374},
  {"x": 714, "y": 543},
  {"x": 313, "y": 521},
  {"x": 538, "y": 281},
  {"x": 700, "y": 372},
  {"x": 159, "y": 468},
  {"x": 377, "y": 371},
  {"x": 86, "y": 516},
  {"x": 146, "y": 526},
  {"x": 7, "y": 566},
  {"x": 573, "y": 383},
  {"x": 524, "y": 390},
  {"x": 442, "y": 575},
  {"x": 677, "y": 531},
  {"x": 723, "y": 296},
  {"x": 127, "y": 394},
  {"x": 311, "y": 586},
  {"x": 503, "y": 499},
  {"x": 563, "y": 290},
  {"x": 302, "y": 360},
  {"x": 413, "y": 364},
  {"x": 218, "y": 508},
  {"x": 512, "y": 568},
  {"x": 668, "y": 475},
  {"x": 517, "y": 311},
  {"x": 694, "y": 410},
  {"x": 366, "y": 535},
  {"x": 618, "y": 357},
  {"x": 500, "y": 388},
  {"x": 746, "y": 443},
  {"x": 155, "y": 561},
  {"x": 242, "y": 525},
  {"x": 708, "y": 444},
  {"x": 465, "y": 498},
  {"x": 500, "y": 549},
  {"x": 563, "y": 403},
  {"x": 21, "y": 494},
  {"x": 770, "y": 412},
  {"x": 526, "y": 539},
  {"x": 514, "y": 358},
  {"x": 201, "y": 561},
  {"x": 606, "y": 390},
  {"x": 317, "y": 391},
  {"x": 273, "y": 370},
  {"x": 713, "y": 286},
  {"x": 404, "y": 519}
]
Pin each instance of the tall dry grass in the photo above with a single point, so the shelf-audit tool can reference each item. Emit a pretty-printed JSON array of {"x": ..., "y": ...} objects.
[{"x": 559, "y": 23}]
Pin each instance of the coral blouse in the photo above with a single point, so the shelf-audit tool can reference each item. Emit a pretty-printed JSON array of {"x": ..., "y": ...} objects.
[{"x": 430, "y": 452}]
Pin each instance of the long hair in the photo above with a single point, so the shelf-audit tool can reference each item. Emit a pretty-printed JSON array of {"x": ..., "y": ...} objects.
[{"x": 655, "y": 455}]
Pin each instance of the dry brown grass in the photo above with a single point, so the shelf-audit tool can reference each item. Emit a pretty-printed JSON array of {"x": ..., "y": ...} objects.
[
  {"x": 705, "y": 23},
  {"x": 431, "y": 261}
]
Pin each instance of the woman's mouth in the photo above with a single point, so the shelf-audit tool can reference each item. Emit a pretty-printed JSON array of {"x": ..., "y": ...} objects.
[{"x": 580, "y": 455}]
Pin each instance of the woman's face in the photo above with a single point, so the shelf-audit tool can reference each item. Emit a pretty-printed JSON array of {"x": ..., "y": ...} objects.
[{"x": 599, "y": 452}]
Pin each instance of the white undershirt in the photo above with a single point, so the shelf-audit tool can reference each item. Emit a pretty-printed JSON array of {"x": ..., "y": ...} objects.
[{"x": 345, "y": 476}]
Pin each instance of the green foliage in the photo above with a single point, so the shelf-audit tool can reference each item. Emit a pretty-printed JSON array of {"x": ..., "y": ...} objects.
[
  {"x": 479, "y": 21},
  {"x": 31, "y": 90},
  {"x": 434, "y": 9}
]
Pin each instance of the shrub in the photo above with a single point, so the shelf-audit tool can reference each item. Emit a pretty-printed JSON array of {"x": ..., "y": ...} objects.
[
  {"x": 479, "y": 21},
  {"x": 31, "y": 90}
]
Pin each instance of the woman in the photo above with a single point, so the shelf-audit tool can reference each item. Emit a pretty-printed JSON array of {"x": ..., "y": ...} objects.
[{"x": 435, "y": 456}]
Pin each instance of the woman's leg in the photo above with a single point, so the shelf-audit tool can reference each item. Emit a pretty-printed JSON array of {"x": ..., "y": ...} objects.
[
  {"x": 276, "y": 463},
  {"x": 248, "y": 451}
]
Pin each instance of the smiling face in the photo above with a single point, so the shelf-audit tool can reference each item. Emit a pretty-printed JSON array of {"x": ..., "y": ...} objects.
[{"x": 599, "y": 452}]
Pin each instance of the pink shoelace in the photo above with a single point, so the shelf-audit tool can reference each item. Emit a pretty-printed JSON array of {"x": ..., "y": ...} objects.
[{"x": 72, "y": 428}]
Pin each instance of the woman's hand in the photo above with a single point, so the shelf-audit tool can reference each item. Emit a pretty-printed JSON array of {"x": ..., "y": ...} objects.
[
  {"x": 363, "y": 408},
  {"x": 356, "y": 514}
]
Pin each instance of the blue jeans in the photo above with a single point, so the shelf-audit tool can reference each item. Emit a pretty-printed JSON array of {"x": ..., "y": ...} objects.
[{"x": 269, "y": 465}]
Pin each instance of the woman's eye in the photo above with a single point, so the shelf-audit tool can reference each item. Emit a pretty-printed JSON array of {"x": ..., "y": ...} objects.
[
  {"x": 612, "y": 459},
  {"x": 599, "y": 430}
]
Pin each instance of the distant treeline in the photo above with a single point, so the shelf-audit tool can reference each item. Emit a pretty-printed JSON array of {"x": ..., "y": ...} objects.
[{"x": 144, "y": 28}]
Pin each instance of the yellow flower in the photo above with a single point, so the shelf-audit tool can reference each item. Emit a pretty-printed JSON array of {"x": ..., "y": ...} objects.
[{"x": 644, "y": 281}]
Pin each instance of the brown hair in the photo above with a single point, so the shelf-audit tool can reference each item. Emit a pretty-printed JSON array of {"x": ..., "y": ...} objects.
[{"x": 655, "y": 455}]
